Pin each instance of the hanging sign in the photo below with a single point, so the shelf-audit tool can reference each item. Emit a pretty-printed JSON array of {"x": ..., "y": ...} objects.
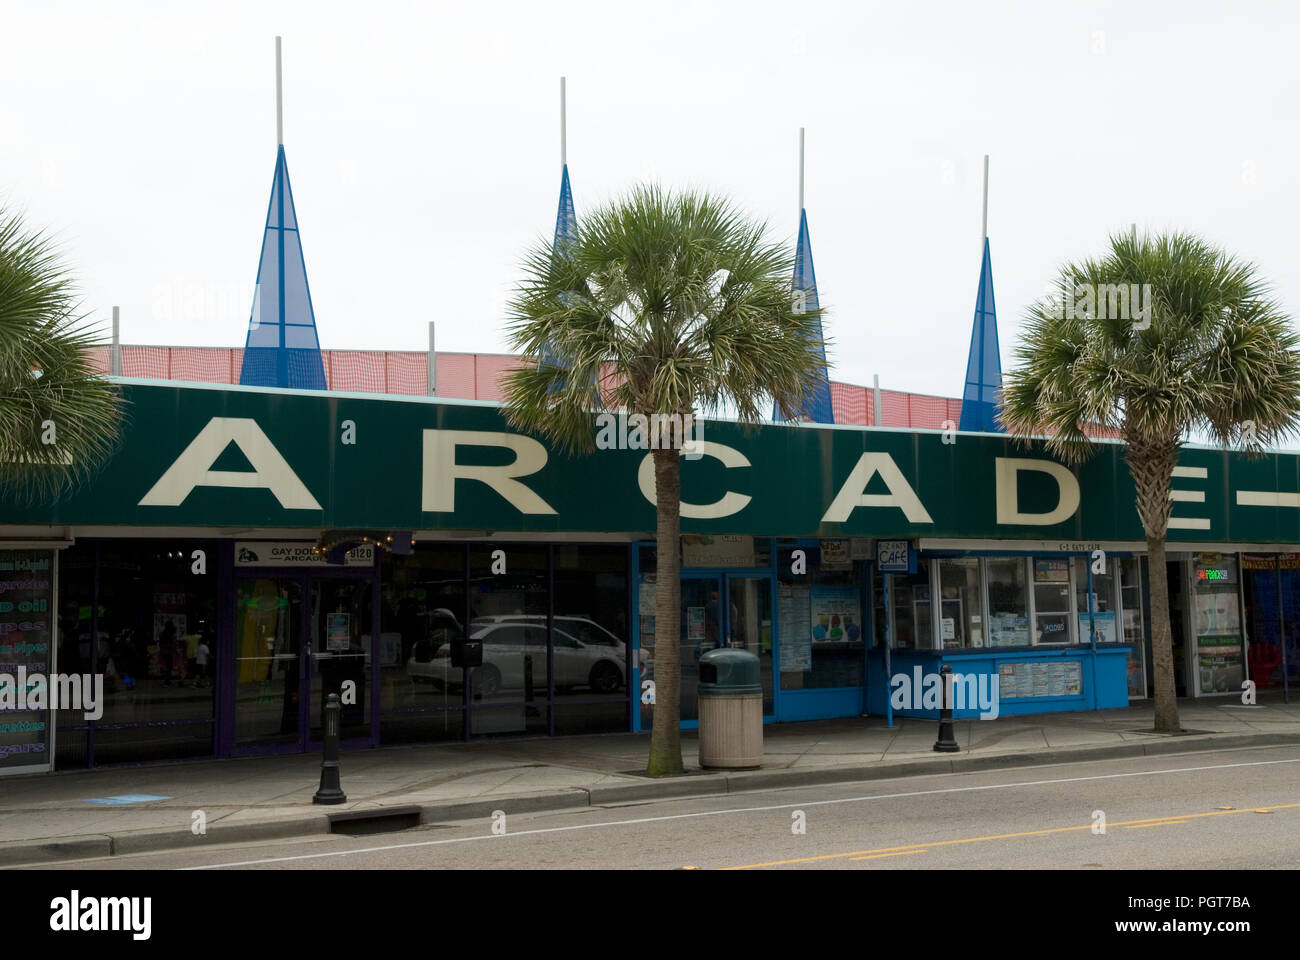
[{"x": 895, "y": 556}]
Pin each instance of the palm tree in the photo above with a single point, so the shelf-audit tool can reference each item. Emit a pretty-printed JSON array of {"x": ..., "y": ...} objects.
[
  {"x": 1208, "y": 354},
  {"x": 666, "y": 304},
  {"x": 59, "y": 420}
]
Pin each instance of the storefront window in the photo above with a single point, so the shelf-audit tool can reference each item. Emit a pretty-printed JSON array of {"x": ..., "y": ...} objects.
[
  {"x": 153, "y": 639},
  {"x": 819, "y": 620},
  {"x": 508, "y": 599},
  {"x": 27, "y": 641},
  {"x": 1008, "y": 602},
  {"x": 1217, "y": 624},
  {"x": 422, "y": 645},
  {"x": 590, "y": 656},
  {"x": 911, "y": 598},
  {"x": 1052, "y": 600},
  {"x": 1130, "y": 589},
  {"x": 1103, "y": 613},
  {"x": 961, "y": 605}
]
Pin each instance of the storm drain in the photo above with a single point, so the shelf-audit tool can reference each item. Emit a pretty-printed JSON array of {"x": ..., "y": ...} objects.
[{"x": 361, "y": 823}]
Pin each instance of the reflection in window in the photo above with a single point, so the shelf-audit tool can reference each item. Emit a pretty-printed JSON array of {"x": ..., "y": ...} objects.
[
  {"x": 1053, "y": 614},
  {"x": 911, "y": 597},
  {"x": 422, "y": 644},
  {"x": 1008, "y": 602},
  {"x": 154, "y": 642},
  {"x": 960, "y": 604}
]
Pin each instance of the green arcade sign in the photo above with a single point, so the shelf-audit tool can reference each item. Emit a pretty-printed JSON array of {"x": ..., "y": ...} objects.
[{"x": 233, "y": 457}]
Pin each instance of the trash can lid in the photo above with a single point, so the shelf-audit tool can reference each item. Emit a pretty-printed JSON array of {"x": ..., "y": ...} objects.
[{"x": 728, "y": 671}]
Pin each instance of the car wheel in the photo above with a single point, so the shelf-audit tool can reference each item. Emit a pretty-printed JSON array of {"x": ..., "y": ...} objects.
[
  {"x": 486, "y": 680},
  {"x": 605, "y": 677}
]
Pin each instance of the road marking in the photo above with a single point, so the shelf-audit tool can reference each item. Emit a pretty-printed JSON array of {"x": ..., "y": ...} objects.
[
  {"x": 880, "y": 856},
  {"x": 718, "y": 813},
  {"x": 1162, "y": 823},
  {"x": 1131, "y": 824}
]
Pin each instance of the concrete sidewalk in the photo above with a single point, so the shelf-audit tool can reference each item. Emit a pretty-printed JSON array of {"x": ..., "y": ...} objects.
[{"x": 51, "y": 816}]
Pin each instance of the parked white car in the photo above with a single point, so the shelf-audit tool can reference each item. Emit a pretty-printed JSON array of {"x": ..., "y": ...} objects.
[{"x": 586, "y": 655}]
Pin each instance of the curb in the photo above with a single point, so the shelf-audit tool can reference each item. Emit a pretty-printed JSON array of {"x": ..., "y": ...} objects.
[{"x": 59, "y": 849}]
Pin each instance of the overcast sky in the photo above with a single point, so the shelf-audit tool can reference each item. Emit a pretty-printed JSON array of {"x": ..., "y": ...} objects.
[{"x": 423, "y": 147}]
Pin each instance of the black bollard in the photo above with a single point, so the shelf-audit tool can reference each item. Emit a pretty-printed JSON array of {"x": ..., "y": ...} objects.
[
  {"x": 330, "y": 790},
  {"x": 946, "y": 743}
]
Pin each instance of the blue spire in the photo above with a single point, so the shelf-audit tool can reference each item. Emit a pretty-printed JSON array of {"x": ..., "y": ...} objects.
[
  {"x": 984, "y": 368},
  {"x": 282, "y": 349},
  {"x": 565, "y": 223},
  {"x": 816, "y": 405},
  {"x": 566, "y": 234}
]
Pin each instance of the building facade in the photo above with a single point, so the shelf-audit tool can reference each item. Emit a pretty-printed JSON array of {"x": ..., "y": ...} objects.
[{"x": 248, "y": 551}]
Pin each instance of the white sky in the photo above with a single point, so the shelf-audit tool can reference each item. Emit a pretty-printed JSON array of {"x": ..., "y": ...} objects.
[{"x": 423, "y": 146}]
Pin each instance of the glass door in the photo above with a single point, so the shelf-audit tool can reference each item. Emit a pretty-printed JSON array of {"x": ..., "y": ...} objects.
[
  {"x": 269, "y": 618},
  {"x": 339, "y": 655},
  {"x": 749, "y": 625},
  {"x": 299, "y": 638},
  {"x": 702, "y": 631}
]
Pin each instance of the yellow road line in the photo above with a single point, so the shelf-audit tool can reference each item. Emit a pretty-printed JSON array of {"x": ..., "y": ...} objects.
[
  {"x": 1162, "y": 823},
  {"x": 878, "y": 856},
  {"x": 912, "y": 847}
]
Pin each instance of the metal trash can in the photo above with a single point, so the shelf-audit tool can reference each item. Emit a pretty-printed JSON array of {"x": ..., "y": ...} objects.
[{"x": 731, "y": 710}]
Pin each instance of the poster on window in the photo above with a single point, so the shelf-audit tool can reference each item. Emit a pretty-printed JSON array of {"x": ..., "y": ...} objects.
[
  {"x": 794, "y": 609},
  {"x": 1217, "y": 613},
  {"x": 695, "y": 623},
  {"x": 1104, "y": 623},
  {"x": 26, "y": 646},
  {"x": 338, "y": 634},
  {"x": 1051, "y": 571},
  {"x": 836, "y": 615},
  {"x": 835, "y": 555}
]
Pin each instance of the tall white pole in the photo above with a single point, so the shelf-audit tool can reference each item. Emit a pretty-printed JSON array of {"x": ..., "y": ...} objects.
[
  {"x": 433, "y": 364},
  {"x": 984, "y": 228},
  {"x": 801, "y": 171},
  {"x": 279, "y": 98},
  {"x": 115, "y": 352},
  {"x": 564, "y": 129}
]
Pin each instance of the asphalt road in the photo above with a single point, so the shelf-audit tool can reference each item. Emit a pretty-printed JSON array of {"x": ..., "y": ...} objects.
[{"x": 1233, "y": 809}]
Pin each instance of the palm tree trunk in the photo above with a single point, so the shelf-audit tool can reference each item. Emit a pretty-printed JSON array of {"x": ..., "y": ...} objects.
[
  {"x": 1162, "y": 648},
  {"x": 665, "y": 732},
  {"x": 1151, "y": 463}
]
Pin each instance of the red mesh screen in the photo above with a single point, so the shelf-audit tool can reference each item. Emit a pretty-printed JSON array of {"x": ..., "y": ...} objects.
[
  {"x": 478, "y": 376},
  {"x": 152, "y": 363},
  {"x": 408, "y": 373},
  {"x": 98, "y": 359},
  {"x": 202, "y": 365},
  {"x": 490, "y": 369},
  {"x": 851, "y": 404},
  {"x": 456, "y": 375},
  {"x": 357, "y": 371}
]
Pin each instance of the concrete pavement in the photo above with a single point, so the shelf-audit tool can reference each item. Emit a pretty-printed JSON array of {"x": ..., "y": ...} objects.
[{"x": 51, "y": 817}]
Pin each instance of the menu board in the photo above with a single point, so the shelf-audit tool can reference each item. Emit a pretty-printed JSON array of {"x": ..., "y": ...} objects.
[
  {"x": 26, "y": 643},
  {"x": 1040, "y": 678},
  {"x": 794, "y": 621}
]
